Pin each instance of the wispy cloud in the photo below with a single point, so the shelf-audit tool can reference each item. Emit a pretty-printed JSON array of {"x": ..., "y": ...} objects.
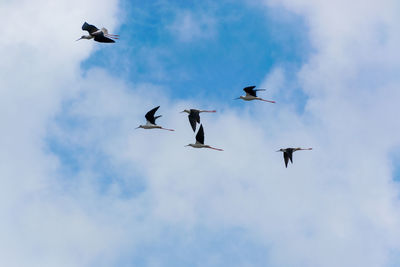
[{"x": 193, "y": 26}]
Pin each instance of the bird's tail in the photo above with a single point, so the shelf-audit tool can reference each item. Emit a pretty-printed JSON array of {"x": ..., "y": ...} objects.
[{"x": 109, "y": 35}]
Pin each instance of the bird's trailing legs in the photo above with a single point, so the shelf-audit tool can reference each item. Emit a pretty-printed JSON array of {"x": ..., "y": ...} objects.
[
  {"x": 218, "y": 149},
  {"x": 154, "y": 127},
  {"x": 167, "y": 129},
  {"x": 204, "y": 146},
  {"x": 270, "y": 101},
  {"x": 112, "y": 36}
]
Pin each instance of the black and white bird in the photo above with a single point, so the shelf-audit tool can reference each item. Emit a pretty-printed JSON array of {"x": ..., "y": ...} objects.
[
  {"x": 151, "y": 121},
  {"x": 194, "y": 116},
  {"x": 101, "y": 35},
  {"x": 251, "y": 94},
  {"x": 200, "y": 140},
  {"x": 288, "y": 153}
]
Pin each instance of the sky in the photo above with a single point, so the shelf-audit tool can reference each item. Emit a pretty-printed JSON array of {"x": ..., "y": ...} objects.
[{"x": 82, "y": 187}]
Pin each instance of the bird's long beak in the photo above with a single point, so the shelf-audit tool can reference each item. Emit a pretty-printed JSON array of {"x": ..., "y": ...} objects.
[
  {"x": 78, "y": 39},
  {"x": 181, "y": 111},
  {"x": 236, "y": 98},
  {"x": 137, "y": 127},
  {"x": 278, "y": 151}
]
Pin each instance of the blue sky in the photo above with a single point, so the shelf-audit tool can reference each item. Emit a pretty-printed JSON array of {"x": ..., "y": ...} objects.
[
  {"x": 212, "y": 247},
  {"x": 238, "y": 45},
  {"x": 82, "y": 187},
  {"x": 245, "y": 45},
  {"x": 242, "y": 47}
]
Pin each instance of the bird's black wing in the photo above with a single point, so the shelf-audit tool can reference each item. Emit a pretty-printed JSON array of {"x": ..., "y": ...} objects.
[
  {"x": 192, "y": 121},
  {"x": 90, "y": 28},
  {"x": 200, "y": 135},
  {"x": 196, "y": 114},
  {"x": 99, "y": 37},
  {"x": 286, "y": 158},
  {"x": 150, "y": 115},
  {"x": 290, "y": 153},
  {"x": 250, "y": 90}
]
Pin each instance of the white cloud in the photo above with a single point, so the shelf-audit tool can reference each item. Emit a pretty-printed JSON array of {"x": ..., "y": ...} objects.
[
  {"x": 351, "y": 83},
  {"x": 189, "y": 26},
  {"x": 40, "y": 61}
]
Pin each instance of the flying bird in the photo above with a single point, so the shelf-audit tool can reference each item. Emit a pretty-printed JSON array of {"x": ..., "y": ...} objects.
[
  {"x": 194, "y": 116},
  {"x": 251, "y": 94},
  {"x": 151, "y": 121},
  {"x": 200, "y": 140},
  {"x": 101, "y": 35},
  {"x": 288, "y": 153}
]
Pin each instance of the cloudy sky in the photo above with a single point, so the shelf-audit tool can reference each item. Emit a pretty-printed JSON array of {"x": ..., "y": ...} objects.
[{"x": 81, "y": 187}]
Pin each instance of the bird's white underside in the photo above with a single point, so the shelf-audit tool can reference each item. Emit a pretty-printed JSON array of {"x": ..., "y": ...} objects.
[
  {"x": 248, "y": 97},
  {"x": 149, "y": 125}
]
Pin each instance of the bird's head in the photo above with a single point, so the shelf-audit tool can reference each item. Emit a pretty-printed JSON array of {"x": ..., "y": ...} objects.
[
  {"x": 84, "y": 37},
  {"x": 280, "y": 150},
  {"x": 140, "y": 126},
  {"x": 186, "y": 110}
]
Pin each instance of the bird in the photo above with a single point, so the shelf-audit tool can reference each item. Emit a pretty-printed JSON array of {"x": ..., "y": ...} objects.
[
  {"x": 101, "y": 35},
  {"x": 151, "y": 121},
  {"x": 251, "y": 94},
  {"x": 200, "y": 140},
  {"x": 288, "y": 153},
  {"x": 194, "y": 116}
]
